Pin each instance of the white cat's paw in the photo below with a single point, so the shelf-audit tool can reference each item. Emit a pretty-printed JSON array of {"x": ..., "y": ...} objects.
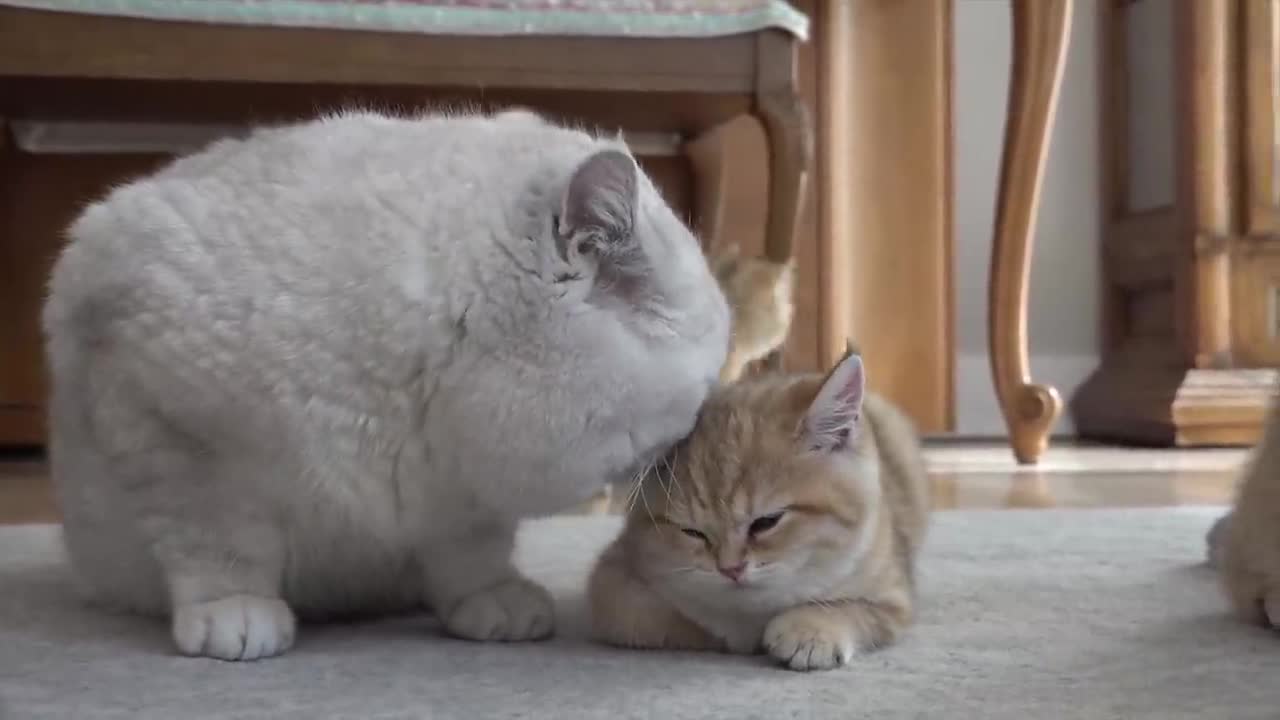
[
  {"x": 806, "y": 641},
  {"x": 239, "y": 627},
  {"x": 515, "y": 609}
]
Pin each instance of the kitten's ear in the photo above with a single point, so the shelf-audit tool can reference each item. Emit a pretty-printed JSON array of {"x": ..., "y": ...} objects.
[
  {"x": 834, "y": 419},
  {"x": 601, "y": 197}
]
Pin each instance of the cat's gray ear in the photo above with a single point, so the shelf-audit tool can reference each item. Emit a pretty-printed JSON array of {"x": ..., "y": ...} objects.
[
  {"x": 600, "y": 200},
  {"x": 834, "y": 418}
]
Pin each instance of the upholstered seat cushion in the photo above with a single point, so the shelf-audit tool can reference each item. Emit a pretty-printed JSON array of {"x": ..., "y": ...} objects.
[{"x": 621, "y": 18}]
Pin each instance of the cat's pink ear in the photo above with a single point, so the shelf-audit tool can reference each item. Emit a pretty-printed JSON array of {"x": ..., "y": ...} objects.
[
  {"x": 601, "y": 197},
  {"x": 834, "y": 419}
]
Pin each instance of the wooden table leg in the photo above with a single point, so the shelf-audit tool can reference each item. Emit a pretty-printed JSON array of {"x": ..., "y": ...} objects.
[
  {"x": 1040, "y": 29},
  {"x": 789, "y": 135}
]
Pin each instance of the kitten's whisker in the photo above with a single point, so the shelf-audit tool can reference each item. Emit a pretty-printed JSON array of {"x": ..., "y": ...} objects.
[
  {"x": 824, "y": 604},
  {"x": 666, "y": 486},
  {"x": 671, "y": 471},
  {"x": 629, "y": 501},
  {"x": 644, "y": 472},
  {"x": 636, "y": 480}
]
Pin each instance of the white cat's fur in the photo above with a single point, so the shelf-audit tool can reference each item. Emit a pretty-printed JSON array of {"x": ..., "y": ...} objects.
[{"x": 326, "y": 369}]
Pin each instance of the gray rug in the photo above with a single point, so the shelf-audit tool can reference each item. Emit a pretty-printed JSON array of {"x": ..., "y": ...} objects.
[{"x": 1025, "y": 614}]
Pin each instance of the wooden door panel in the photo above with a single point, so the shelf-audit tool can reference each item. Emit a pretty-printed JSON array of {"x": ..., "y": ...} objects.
[{"x": 1261, "y": 103}]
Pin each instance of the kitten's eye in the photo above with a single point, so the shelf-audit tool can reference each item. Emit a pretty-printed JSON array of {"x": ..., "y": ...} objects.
[
  {"x": 694, "y": 534},
  {"x": 764, "y": 523}
]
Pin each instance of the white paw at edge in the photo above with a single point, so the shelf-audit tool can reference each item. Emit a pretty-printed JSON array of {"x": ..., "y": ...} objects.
[
  {"x": 513, "y": 610},
  {"x": 239, "y": 627}
]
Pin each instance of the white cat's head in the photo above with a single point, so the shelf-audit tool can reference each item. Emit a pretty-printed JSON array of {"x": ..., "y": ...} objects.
[{"x": 616, "y": 231}]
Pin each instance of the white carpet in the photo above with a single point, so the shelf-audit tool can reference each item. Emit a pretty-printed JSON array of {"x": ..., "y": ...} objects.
[{"x": 1025, "y": 614}]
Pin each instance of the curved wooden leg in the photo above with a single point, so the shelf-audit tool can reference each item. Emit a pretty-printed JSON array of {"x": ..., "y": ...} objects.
[
  {"x": 1040, "y": 29},
  {"x": 790, "y": 140},
  {"x": 789, "y": 136},
  {"x": 706, "y": 154},
  {"x": 711, "y": 155}
]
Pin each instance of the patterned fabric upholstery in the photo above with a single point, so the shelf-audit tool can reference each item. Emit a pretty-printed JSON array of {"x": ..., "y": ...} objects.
[{"x": 612, "y": 18}]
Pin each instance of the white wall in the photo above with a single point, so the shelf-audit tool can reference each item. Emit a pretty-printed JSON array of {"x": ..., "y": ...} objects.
[{"x": 1064, "y": 312}]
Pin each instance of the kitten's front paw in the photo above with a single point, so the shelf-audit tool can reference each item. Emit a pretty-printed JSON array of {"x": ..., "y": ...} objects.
[
  {"x": 803, "y": 639},
  {"x": 515, "y": 609},
  {"x": 239, "y": 627}
]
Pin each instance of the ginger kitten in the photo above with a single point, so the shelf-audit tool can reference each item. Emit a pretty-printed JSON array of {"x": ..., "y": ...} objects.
[
  {"x": 788, "y": 521},
  {"x": 759, "y": 294},
  {"x": 1245, "y": 545}
]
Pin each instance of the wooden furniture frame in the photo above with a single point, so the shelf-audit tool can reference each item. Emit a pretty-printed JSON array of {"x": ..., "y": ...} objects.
[
  {"x": 760, "y": 69},
  {"x": 884, "y": 192},
  {"x": 51, "y": 62},
  {"x": 1040, "y": 32},
  {"x": 876, "y": 232},
  {"x": 885, "y": 214},
  {"x": 1192, "y": 280}
]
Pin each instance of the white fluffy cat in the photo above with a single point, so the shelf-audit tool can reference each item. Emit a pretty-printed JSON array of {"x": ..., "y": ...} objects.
[{"x": 326, "y": 369}]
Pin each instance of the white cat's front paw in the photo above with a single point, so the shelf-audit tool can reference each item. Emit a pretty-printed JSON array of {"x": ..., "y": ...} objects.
[
  {"x": 804, "y": 640},
  {"x": 239, "y": 627},
  {"x": 515, "y": 609}
]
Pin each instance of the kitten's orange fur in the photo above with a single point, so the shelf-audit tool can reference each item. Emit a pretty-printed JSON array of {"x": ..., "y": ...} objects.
[
  {"x": 1246, "y": 544},
  {"x": 833, "y": 577}
]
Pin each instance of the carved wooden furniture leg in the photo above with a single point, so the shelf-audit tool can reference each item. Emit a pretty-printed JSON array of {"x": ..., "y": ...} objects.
[
  {"x": 725, "y": 176},
  {"x": 789, "y": 136},
  {"x": 1040, "y": 29},
  {"x": 709, "y": 156}
]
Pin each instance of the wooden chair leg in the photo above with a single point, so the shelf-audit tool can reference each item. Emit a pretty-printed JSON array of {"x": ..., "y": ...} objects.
[
  {"x": 790, "y": 139},
  {"x": 1040, "y": 30},
  {"x": 789, "y": 136},
  {"x": 712, "y": 156}
]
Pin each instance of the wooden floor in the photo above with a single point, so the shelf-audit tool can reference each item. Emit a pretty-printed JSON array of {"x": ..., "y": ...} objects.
[
  {"x": 969, "y": 476},
  {"x": 964, "y": 476}
]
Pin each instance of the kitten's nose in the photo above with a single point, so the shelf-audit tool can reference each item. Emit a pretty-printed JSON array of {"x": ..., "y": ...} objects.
[{"x": 734, "y": 573}]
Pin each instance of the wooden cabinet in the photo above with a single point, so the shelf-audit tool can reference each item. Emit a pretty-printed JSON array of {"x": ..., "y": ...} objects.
[{"x": 1191, "y": 231}]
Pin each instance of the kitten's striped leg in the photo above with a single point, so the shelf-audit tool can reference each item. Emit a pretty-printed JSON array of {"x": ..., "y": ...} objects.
[
  {"x": 827, "y": 635},
  {"x": 627, "y": 612}
]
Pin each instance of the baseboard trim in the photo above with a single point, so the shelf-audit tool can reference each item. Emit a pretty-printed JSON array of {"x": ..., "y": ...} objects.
[{"x": 1174, "y": 406}]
